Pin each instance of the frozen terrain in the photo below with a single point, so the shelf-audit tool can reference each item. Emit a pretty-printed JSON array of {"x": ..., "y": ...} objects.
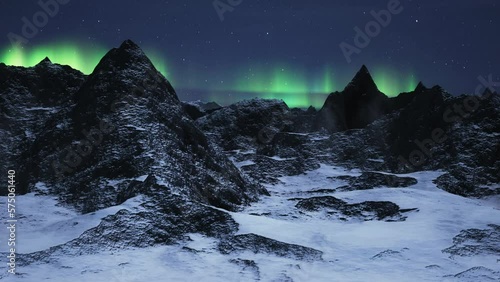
[{"x": 352, "y": 250}]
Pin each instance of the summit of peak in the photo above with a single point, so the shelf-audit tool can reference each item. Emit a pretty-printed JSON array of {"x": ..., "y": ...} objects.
[
  {"x": 363, "y": 80},
  {"x": 128, "y": 56},
  {"x": 420, "y": 87},
  {"x": 46, "y": 60},
  {"x": 129, "y": 45}
]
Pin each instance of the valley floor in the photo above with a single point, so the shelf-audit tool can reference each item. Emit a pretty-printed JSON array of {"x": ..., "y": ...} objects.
[{"x": 353, "y": 249}]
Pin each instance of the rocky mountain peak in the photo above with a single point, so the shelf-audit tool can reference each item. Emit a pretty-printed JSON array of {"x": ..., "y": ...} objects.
[
  {"x": 124, "y": 74},
  {"x": 487, "y": 92},
  {"x": 128, "y": 56},
  {"x": 45, "y": 61},
  {"x": 127, "y": 105},
  {"x": 129, "y": 45},
  {"x": 420, "y": 87},
  {"x": 363, "y": 82},
  {"x": 359, "y": 104}
]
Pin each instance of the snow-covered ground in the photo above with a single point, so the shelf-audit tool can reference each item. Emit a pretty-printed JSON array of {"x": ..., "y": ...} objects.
[
  {"x": 409, "y": 250},
  {"x": 42, "y": 223}
]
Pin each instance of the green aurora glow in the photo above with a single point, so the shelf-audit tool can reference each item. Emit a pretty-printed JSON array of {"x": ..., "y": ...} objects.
[
  {"x": 384, "y": 78},
  {"x": 281, "y": 81},
  {"x": 284, "y": 82},
  {"x": 83, "y": 58}
]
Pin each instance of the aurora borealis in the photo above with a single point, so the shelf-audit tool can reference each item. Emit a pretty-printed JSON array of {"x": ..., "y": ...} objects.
[
  {"x": 80, "y": 57},
  {"x": 295, "y": 86},
  {"x": 271, "y": 49},
  {"x": 384, "y": 78}
]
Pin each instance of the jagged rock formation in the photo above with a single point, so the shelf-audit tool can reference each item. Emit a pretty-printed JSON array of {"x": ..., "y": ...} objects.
[
  {"x": 198, "y": 109},
  {"x": 127, "y": 122},
  {"x": 423, "y": 129},
  {"x": 245, "y": 123},
  {"x": 359, "y": 104},
  {"x": 369, "y": 210},
  {"x": 29, "y": 97},
  {"x": 370, "y": 180},
  {"x": 301, "y": 120},
  {"x": 472, "y": 242},
  {"x": 426, "y": 129},
  {"x": 259, "y": 244},
  {"x": 97, "y": 141},
  {"x": 478, "y": 273}
]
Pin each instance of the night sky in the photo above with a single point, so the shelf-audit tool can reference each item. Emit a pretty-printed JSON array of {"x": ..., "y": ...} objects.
[{"x": 287, "y": 49}]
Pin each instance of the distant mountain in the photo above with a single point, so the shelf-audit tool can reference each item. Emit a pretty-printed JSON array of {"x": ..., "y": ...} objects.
[
  {"x": 359, "y": 104},
  {"x": 246, "y": 122},
  {"x": 417, "y": 130}
]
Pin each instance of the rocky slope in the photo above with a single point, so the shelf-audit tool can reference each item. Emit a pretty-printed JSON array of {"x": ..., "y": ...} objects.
[
  {"x": 29, "y": 97},
  {"x": 360, "y": 127},
  {"x": 97, "y": 141},
  {"x": 128, "y": 123}
]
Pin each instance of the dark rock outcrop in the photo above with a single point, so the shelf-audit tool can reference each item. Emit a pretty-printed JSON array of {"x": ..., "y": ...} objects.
[
  {"x": 127, "y": 122},
  {"x": 370, "y": 180},
  {"x": 359, "y": 104},
  {"x": 248, "y": 266},
  {"x": 97, "y": 141},
  {"x": 199, "y": 109},
  {"x": 245, "y": 124},
  {"x": 369, "y": 210},
  {"x": 478, "y": 273},
  {"x": 301, "y": 120},
  {"x": 258, "y": 244},
  {"x": 28, "y": 98},
  {"x": 473, "y": 242},
  {"x": 164, "y": 220}
]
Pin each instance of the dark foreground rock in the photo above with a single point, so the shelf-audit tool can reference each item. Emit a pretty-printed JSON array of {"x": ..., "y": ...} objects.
[
  {"x": 126, "y": 123},
  {"x": 198, "y": 109},
  {"x": 245, "y": 124},
  {"x": 369, "y": 210},
  {"x": 478, "y": 273},
  {"x": 259, "y": 244},
  {"x": 473, "y": 242},
  {"x": 161, "y": 220},
  {"x": 28, "y": 98},
  {"x": 248, "y": 266},
  {"x": 120, "y": 133},
  {"x": 371, "y": 180}
]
